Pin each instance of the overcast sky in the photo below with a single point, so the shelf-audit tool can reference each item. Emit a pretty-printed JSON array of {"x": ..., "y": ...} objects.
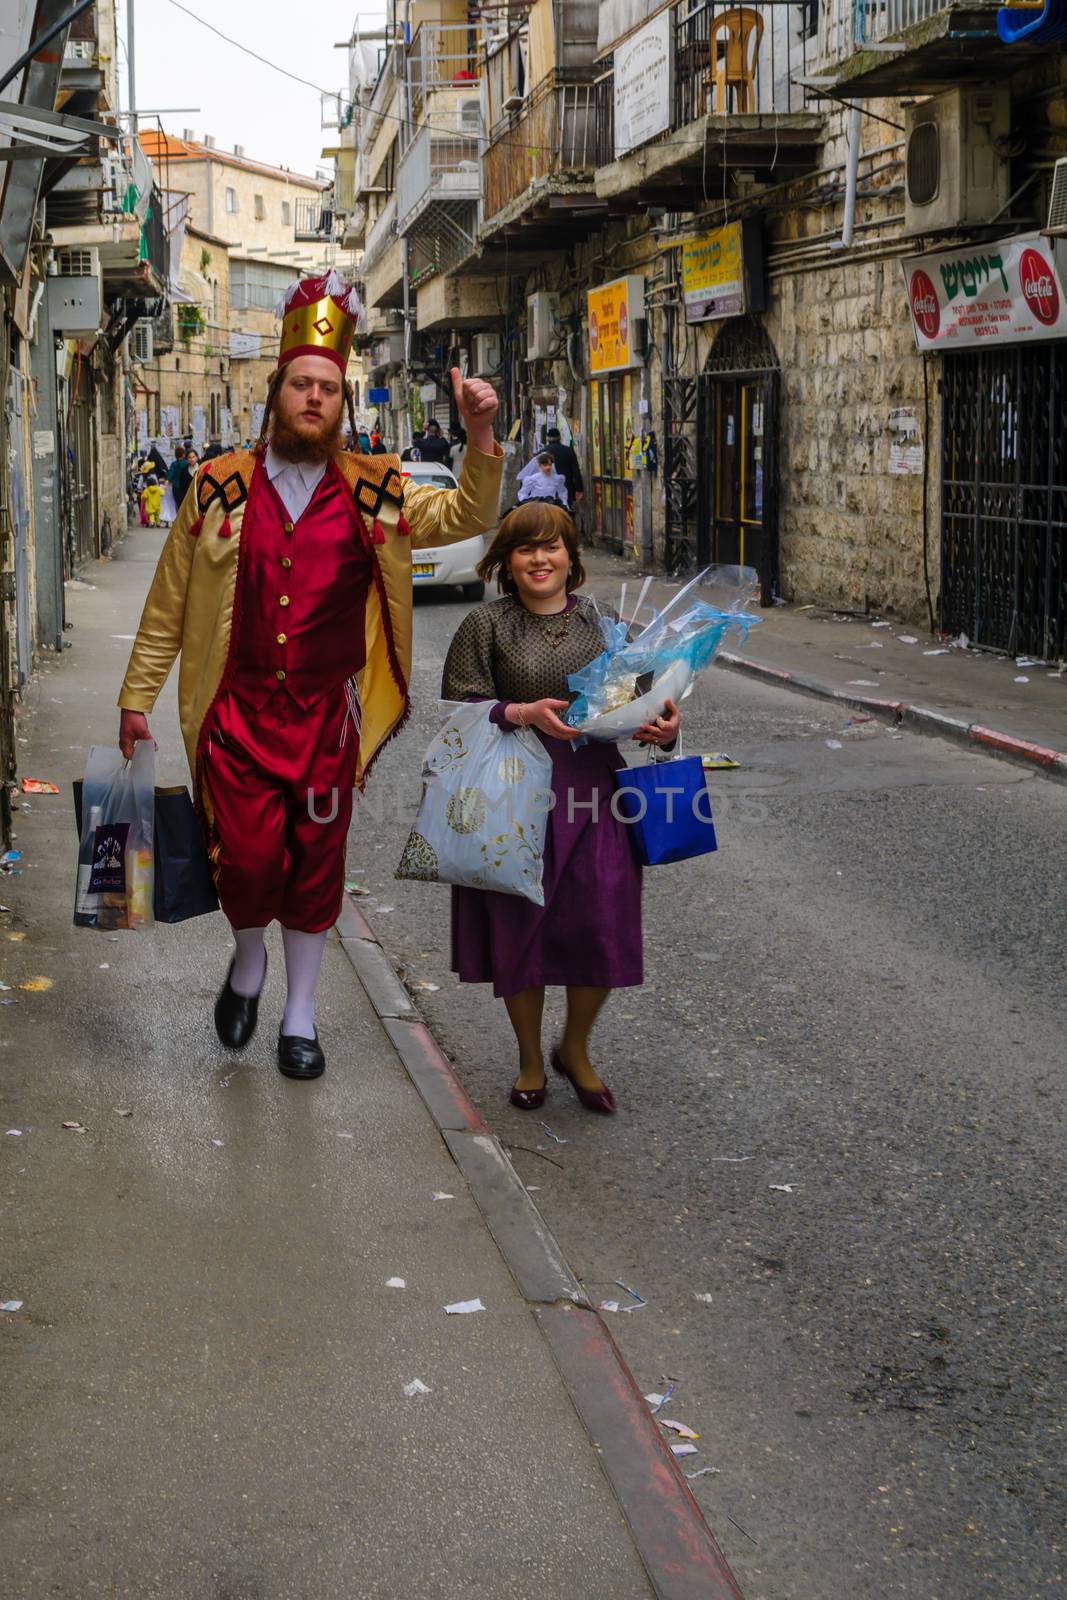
[{"x": 180, "y": 63}]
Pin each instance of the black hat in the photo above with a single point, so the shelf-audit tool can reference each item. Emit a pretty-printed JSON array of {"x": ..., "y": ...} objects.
[{"x": 553, "y": 433}]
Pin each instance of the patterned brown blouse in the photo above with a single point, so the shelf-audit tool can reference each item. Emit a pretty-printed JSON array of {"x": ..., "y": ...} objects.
[{"x": 501, "y": 651}]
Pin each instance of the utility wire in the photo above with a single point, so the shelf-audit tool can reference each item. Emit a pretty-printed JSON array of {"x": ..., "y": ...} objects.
[{"x": 445, "y": 129}]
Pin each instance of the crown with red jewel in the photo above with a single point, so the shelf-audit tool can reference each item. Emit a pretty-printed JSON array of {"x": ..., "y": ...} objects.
[{"x": 320, "y": 317}]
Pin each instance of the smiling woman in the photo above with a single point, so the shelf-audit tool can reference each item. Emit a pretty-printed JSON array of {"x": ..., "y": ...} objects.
[{"x": 518, "y": 651}]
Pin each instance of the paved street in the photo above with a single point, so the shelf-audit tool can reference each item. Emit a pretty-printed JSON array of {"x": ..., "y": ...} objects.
[{"x": 861, "y": 997}]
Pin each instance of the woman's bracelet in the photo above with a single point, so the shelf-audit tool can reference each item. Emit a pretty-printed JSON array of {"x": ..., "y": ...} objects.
[{"x": 520, "y": 714}]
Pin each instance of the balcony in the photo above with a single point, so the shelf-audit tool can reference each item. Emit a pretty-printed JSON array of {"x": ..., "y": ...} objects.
[
  {"x": 126, "y": 226},
  {"x": 437, "y": 187},
  {"x": 903, "y": 47},
  {"x": 383, "y": 260},
  {"x": 441, "y": 59},
  {"x": 733, "y": 102},
  {"x": 313, "y": 220},
  {"x": 537, "y": 172}
]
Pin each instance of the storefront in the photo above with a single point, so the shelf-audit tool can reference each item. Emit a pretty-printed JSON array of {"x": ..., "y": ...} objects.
[
  {"x": 997, "y": 314},
  {"x": 615, "y": 312}
]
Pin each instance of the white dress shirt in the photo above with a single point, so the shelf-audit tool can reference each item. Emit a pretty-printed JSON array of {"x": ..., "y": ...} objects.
[{"x": 295, "y": 481}]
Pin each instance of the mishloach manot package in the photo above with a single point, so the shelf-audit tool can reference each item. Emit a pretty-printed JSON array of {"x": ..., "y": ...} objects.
[{"x": 627, "y": 685}]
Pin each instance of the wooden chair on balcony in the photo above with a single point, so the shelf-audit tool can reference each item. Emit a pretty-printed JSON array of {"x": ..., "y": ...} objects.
[{"x": 735, "y": 38}]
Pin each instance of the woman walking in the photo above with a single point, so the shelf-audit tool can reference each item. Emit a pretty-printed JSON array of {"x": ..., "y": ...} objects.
[{"x": 586, "y": 938}]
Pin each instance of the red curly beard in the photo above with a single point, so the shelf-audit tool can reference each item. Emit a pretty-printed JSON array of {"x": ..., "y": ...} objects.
[{"x": 301, "y": 442}]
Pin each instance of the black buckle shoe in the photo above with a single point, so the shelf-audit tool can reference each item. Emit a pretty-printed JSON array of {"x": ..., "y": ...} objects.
[
  {"x": 300, "y": 1058},
  {"x": 236, "y": 1014}
]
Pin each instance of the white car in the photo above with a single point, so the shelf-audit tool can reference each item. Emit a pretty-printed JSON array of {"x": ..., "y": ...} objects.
[{"x": 447, "y": 563}]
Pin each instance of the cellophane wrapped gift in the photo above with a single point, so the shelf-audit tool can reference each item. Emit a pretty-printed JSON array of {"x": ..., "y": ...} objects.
[
  {"x": 642, "y": 665},
  {"x": 486, "y": 795},
  {"x": 116, "y": 849}
]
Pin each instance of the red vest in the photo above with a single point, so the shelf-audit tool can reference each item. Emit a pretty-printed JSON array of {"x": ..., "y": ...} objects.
[{"x": 303, "y": 594}]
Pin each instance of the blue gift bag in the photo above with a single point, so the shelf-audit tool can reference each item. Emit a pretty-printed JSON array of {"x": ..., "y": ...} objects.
[{"x": 667, "y": 810}]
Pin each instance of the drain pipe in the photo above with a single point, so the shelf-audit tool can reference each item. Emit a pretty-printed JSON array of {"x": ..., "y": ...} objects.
[{"x": 848, "y": 225}]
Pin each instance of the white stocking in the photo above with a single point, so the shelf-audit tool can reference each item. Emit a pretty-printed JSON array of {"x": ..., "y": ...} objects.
[
  {"x": 249, "y": 961},
  {"x": 303, "y": 958}
]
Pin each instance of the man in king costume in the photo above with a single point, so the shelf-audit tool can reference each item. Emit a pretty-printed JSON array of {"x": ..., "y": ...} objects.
[{"x": 285, "y": 584}]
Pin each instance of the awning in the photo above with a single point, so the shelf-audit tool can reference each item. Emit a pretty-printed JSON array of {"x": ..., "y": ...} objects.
[{"x": 36, "y": 134}]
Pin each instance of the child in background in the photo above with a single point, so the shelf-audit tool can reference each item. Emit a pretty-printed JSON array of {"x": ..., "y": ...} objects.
[{"x": 152, "y": 500}]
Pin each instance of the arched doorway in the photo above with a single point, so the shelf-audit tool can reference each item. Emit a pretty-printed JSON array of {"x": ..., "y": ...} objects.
[{"x": 737, "y": 429}]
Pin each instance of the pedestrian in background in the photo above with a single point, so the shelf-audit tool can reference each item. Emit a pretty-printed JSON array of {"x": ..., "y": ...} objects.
[
  {"x": 434, "y": 445},
  {"x": 151, "y": 500},
  {"x": 518, "y": 651},
  {"x": 566, "y": 463}
]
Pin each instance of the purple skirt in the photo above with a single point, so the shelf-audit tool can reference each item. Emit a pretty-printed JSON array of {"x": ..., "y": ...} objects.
[{"x": 588, "y": 932}]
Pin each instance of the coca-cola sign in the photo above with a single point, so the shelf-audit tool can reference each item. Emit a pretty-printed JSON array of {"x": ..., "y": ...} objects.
[
  {"x": 1039, "y": 287},
  {"x": 924, "y": 304},
  {"x": 1005, "y": 292}
]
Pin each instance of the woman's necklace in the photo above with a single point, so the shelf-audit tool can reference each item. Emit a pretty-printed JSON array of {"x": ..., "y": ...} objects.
[{"x": 554, "y": 624}]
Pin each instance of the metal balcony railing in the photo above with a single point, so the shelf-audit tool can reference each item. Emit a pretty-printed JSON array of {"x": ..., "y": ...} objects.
[
  {"x": 846, "y": 26},
  {"x": 728, "y": 61},
  {"x": 553, "y": 134},
  {"x": 440, "y": 58},
  {"x": 437, "y": 169},
  {"x": 313, "y": 220}
]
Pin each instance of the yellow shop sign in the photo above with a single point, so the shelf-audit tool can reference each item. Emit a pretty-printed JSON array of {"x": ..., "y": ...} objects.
[{"x": 614, "y": 309}]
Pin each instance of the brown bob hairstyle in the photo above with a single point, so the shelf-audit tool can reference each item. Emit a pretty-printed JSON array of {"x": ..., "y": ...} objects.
[{"x": 536, "y": 522}]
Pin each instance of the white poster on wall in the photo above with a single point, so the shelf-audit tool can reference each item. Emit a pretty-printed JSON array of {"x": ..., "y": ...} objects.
[
  {"x": 225, "y": 426},
  {"x": 171, "y": 422},
  {"x": 643, "y": 84},
  {"x": 257, "y": 418},
  {"x": 199, "y": 428}
]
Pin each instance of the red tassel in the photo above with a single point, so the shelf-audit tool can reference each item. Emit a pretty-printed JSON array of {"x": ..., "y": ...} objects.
[
  {"x": 378, "y": 532},
  {"x": 195, "y": 529},
  {"x": 402, "y": 527},
  {"x": 225, "y": 530}
]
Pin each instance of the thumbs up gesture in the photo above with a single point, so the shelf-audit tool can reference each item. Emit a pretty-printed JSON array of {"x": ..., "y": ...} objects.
[{"x": 477, "y": 403}]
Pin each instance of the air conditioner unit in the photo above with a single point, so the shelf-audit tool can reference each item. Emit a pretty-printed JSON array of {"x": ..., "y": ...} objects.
[
  {"x": 1057, "y": 205},
  {"x": 542, "y": 325},
  {"x": 956, "y": 169},
  {"x": 142, "y": 340},
  {"x": 488, "y": 353}
]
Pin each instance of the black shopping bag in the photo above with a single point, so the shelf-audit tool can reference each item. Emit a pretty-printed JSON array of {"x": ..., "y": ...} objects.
[{"x": 183, "y": 883}]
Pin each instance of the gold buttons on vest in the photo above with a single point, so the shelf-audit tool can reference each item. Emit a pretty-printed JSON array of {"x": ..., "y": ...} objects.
[
  {"x": 288, "y": 527},
  {"x": 280, "y": 674},
  {"x": 286, "y": 563},
  {"x": 282, "y": 637},
  {"x": 283, "y": 600}
]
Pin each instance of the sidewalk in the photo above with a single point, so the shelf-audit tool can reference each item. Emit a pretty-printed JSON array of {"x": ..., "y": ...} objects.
[
  {"x": 206, "y": 1373},
  {"x": 1006, "y": 705}
]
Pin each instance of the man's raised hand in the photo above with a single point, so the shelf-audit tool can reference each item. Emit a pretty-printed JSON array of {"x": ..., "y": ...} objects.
[{"x": 477, "y": 404}]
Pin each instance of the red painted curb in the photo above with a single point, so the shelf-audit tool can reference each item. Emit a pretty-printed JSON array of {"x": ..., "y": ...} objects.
[
  {"x": 433, "y": 1076},
  {"x": 1042, "y": 754},
  {"x": 675, "y": 1543}
]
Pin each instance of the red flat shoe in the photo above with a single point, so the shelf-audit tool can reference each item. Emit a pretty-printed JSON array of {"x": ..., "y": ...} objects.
[
  {"x": 592, "y": 1099},
  {"x": 529, "y": 1099}
]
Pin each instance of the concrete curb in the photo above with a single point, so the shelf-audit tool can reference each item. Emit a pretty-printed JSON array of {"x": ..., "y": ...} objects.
[
  {"x": 922, "y": 719},
  {"x": 674, "y": 1542}
]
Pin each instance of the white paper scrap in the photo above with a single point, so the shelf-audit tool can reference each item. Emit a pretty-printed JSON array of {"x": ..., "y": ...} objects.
[
  {"x": 702, "y": 1472},
  {"x": 782, "y": 1188},
  {"x": 395, "y": 1283},
  {"x": 462, "y": 1308},
  {"x": 683, "y": 1450},
  {"x": 416, "y": 1386},
  {"x": 11, "y": 1305},
  {"x": 907, "y": 638},
  {"x": 679, "y": 1428},
  {"x": 608, "y": 1305},
  {"x": 834, "y": 744},
  {"x": 440, "y": 1195}
]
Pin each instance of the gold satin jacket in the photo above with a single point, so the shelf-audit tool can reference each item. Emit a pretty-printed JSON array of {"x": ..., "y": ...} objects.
[{"x": 190, "y": 605}]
